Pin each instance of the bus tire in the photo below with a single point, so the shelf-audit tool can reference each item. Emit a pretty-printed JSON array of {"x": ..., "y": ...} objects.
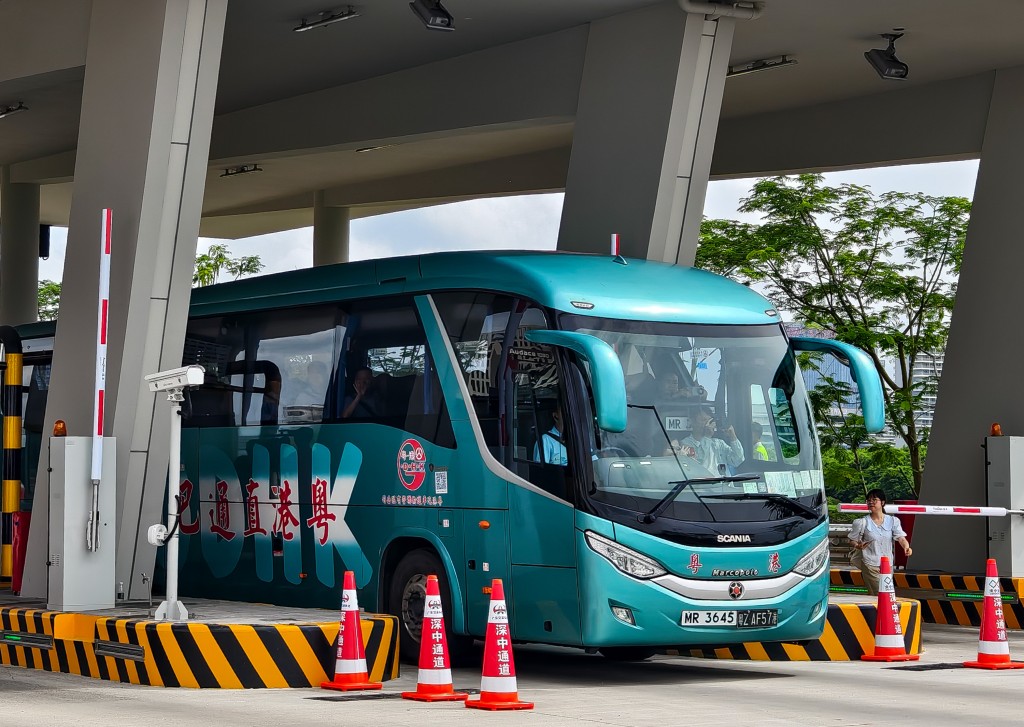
[
  {"x": 628, "y": 653},
  {"x": 406, "y": 594}
]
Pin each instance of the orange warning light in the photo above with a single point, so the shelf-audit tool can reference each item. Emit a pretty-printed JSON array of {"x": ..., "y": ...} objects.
[
  {"x": 60, "y": 429},
  {"x": 997, "y": 431}
]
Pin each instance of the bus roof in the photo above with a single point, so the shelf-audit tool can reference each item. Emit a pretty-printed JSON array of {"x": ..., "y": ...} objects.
[
  {"x": 592, "y": 285},
  {"x": 624, "y": 288}
]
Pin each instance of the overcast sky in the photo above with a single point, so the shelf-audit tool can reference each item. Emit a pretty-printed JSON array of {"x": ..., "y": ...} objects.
[{"x": 526, "y": 222}]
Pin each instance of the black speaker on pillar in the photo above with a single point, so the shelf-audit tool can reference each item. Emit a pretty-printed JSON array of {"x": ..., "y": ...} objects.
[{"x": 44, "y": 242}]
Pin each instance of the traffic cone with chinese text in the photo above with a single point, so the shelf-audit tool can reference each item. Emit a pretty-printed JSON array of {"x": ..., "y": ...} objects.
[
  {"x": 498, "y": 688},
  {"x": 993, "y": 649},
  {"x": 889, "y": 644},
  {"x": 434, "y": 682},
  {"x": 350, "y": 667}
]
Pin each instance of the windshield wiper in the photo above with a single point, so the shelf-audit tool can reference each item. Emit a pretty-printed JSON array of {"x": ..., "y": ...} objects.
[
  {"x": 651, "y": 515},
  {"x": 772, "y": 497}
]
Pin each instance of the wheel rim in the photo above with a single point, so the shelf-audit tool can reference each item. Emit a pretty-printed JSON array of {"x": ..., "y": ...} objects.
[{"x": 413, "y": 596}]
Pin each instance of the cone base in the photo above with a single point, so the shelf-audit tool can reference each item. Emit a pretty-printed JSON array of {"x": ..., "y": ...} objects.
[
  {"x": 353, "y": 687},
  {"x": 428, "y": 697},
  {"x": 495, "y": 706},
  {"x": 994, "y": 665},
  {"x": 890, "y": 657}
]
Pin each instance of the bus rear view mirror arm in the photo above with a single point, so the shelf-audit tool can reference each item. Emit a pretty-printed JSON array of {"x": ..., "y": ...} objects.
[
  {"x": 869, "y": 385},
  {"x": 608, "y": 382}
]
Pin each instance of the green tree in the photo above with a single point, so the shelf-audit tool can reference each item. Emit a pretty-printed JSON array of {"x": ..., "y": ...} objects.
[
  {"x": 208, "y": 267},
  {"x": 218, "y": 259},
  {"x": 878, "y": 271},
  {"x": 49, "y": 299}
]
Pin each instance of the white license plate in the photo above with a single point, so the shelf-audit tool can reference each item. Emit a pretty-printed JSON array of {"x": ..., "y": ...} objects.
[
  {"x": 708, "y": 618},
  {"x": 746, "y": 619}
]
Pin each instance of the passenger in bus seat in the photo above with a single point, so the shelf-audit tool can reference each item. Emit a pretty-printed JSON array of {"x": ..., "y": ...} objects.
[{"x": 364, "y": 401}]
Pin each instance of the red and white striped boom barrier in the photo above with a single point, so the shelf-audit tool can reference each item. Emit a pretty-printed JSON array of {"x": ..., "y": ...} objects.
[
  {"x": 103, "y": 306},
  {"x": 933, "y": 510}
]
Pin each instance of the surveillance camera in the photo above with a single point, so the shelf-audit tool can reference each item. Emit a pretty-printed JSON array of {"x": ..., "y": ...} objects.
[
  {"x": 887, "y": 65},
  {"x": 176, "y": 378},
  {"x": 885, "y": 62},
  {"x": 433, "y": 14}
]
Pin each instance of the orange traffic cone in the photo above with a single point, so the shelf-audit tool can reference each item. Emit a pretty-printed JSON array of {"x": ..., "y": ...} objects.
[
  {"x": 498, "y": 683},
  {"x": 350, "y": 667},
  {"x": 889, "y": 644},
  {"x": 993, "y": 649},
  {"x": 434, "y": 682}
]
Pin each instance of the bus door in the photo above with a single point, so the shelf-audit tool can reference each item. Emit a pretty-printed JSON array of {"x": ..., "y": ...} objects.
[
  {"x": 515, "y": 391},
  {"x": 541, "y": 517}
]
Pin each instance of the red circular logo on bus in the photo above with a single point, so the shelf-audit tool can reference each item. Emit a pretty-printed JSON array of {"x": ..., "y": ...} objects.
[{"x": 412, "y": 464}]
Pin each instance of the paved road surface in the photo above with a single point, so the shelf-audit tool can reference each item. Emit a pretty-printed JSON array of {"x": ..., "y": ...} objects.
[{"x": 572, "y": 688}]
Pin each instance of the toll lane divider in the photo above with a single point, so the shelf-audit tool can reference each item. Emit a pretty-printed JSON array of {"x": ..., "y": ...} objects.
[
  {"x": 849, "y": 633},
  {"x": 957, "y": 600},
  {"x": 192, "y": 654}
]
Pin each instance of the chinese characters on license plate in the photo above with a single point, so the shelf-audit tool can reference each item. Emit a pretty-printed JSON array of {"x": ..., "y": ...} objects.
[{"x": 749, "y": 619}]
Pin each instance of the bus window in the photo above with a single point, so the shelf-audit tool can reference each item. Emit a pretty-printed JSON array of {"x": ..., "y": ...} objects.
[
  {"x": 514, "y": 383},
  {"x": 301, "y": 347},
  {"x": 387, "y": 337},
  {"x": 211, "y": 343}
]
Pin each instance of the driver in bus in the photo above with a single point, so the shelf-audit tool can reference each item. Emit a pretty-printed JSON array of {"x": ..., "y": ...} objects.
[
  {"x": 715, "y": 455},
  {"x": 553, "y": 442}
]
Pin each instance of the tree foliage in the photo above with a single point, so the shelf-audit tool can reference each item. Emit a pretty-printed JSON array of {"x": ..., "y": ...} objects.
[
  {"x": 208, "y": 268},
  {"x": 218, "y": 259},
  {"x": 877, "y": 271},
  {"x": 48, "y": 299}
]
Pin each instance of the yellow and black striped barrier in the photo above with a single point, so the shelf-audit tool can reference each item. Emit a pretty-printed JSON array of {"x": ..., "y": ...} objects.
[
  {"x": 10, "y": 491},
  {"x": 849, "y": 633},
  {"x": 191, "y": 654},
  {"x": 945, "y": 598}
]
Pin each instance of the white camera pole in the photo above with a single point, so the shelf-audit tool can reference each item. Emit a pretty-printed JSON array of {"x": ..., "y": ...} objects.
[{"x": 174, "y": 383}]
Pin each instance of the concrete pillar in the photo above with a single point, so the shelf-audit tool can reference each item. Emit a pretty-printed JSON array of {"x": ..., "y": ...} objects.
[
  {"x": 143, "y": 149},
  {"x": 645, "y": 132},
  {"x": 981, "y": 381},
  {"x": 19, "y": 251},
  {"x": 330, "y": 232}
]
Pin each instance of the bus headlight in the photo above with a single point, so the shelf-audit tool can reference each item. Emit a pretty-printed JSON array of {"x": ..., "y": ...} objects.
[
  {"x": 813, "y": 561},
  {"x": 628, "y": 561}
]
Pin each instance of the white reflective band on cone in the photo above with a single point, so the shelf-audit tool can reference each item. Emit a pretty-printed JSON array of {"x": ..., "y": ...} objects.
[
  {"x": 348, "y": 598},
  {"x": 434, "y": 676},
  {"x": 995, "y": 648},
  {"x": 350, "y": 666},
  {"x": 893, "y": 642},
  {"x": 498, "y": 684}
]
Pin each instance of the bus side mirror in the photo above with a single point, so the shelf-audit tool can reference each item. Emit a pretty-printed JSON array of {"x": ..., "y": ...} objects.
[
  {"x": 868, "y": 384},
  {"x": 605, "y": 370}
]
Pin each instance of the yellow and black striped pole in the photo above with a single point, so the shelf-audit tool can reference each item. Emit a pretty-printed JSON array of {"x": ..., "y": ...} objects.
[{"x": 10, "y": 494}]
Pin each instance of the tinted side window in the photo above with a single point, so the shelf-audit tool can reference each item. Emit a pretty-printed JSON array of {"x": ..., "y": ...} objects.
[
  {"x": 265, "y": 368},
  {"x": 513, "y": 383},
  {"x": 389, "y": 373}
]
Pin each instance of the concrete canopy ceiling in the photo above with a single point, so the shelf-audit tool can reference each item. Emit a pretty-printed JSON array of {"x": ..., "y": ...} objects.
[{"x": 265, "y": 63}]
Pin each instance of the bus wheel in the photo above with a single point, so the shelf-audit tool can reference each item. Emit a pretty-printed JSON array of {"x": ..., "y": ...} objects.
[
  {"x": 406, "y": 595},
  {"x": 627, "y": 653}
]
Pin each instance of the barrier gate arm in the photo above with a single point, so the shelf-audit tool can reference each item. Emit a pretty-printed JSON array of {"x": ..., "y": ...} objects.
[{"x": 933, "y": 510}]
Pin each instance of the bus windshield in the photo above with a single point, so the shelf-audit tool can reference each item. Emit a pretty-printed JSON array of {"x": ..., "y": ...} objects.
[{"x": 719, "y": 408}]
